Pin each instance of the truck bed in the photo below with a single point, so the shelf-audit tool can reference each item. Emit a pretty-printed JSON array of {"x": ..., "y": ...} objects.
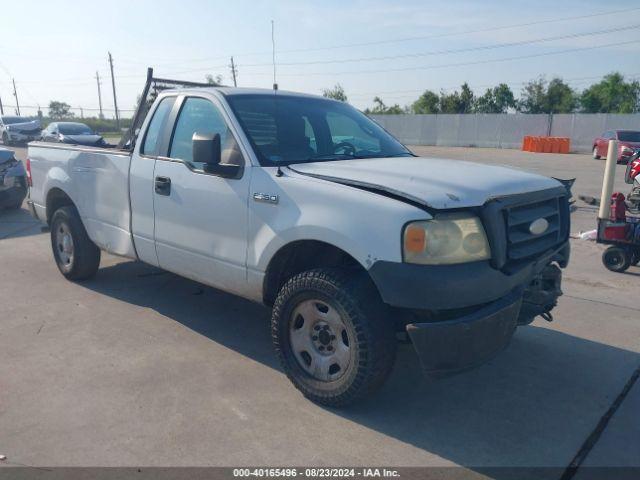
[{"x": 97, "y": 181}]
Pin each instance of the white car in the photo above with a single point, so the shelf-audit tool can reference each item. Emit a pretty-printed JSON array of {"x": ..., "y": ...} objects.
[
  {"x": 350, "y": 242},
  {"x": 18, "y": 130}
]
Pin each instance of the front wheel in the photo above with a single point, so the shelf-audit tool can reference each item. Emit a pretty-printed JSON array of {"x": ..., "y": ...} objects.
[
  {"x": 332, "y": 337},
  {"x": 5, "y": 139},
  {"x": 616, "y": 259},
  {"x": 77, "y": 257}
]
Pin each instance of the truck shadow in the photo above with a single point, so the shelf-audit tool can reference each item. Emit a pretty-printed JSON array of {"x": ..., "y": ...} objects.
[
  {"x": 533, "y": 405},
  {"x": 18, "y": 223}
]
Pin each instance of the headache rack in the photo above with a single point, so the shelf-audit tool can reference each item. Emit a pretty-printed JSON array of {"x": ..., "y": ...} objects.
[{"x": 152, "y": 88}]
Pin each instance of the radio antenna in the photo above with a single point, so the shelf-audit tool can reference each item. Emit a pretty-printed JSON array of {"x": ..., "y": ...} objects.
[{"x": 273, "y": 47}]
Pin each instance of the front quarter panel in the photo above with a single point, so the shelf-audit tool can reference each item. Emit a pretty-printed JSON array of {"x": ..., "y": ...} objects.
[{"x": 367, "y": 226}]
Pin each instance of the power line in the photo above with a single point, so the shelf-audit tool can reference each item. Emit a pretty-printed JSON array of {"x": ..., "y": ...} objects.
[
  {"x": 453, "y": 51},
  {"x": 459, "y": 64},
  {"x": 397, "y": 40},
  {"x": 482, "y": 30}
]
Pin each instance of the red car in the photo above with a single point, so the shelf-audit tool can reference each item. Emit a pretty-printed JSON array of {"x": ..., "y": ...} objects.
[{"x": 628, "y": 142}]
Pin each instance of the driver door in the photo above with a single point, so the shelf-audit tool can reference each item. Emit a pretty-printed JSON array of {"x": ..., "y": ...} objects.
[{"x": 201, "y": 218}]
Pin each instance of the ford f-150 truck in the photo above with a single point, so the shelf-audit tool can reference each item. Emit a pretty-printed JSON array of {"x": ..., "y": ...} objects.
[{"x": 308, "y": 206}]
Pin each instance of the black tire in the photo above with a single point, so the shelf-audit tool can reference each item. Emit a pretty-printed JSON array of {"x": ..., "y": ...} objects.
[
  {"x": 616, "y": 259},
  {"x": 5, "y": 139},
  {"x": 370, "y": 334},
  {"x": 84, "y": 259},
  {"x": 635, "y": 257},
  {"x": 595, "y": 153}
]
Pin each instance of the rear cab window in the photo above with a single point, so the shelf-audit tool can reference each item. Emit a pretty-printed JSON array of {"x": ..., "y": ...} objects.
[{"x": 152, "y": 139}]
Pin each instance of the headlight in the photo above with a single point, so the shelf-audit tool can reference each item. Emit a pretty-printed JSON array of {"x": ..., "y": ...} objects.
[{"x": 447, "y": 239}]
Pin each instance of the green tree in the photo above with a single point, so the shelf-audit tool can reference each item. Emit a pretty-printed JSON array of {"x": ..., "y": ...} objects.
[
  {"x": 457, "y": 102},
  {"x": 59, "y": 110},
  {"x": 495, "y": 100},
  {"x": 533, "y": 97},
  {"x": 337, "y": 93},
  {"x": 538, "y": 96},
  {"x": 560, "y": 97},
  {"x": 428, "y": 102},
  {"x": 214, "y": 81},
  {"x": 611, "y": 95},
  {"x": 381, "y": 108}
]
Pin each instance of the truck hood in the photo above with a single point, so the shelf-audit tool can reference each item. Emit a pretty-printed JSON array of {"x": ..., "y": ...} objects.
[{"x": 433, "y": 182}]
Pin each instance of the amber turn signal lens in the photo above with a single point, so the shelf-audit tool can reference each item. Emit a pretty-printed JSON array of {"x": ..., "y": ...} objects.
[{"x": 414, "y": 239}]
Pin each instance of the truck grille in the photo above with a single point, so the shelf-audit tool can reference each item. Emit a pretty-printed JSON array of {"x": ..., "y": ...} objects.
[{"x": 521, "y": 242}]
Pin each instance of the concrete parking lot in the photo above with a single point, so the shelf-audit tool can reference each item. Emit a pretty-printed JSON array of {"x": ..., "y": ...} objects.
[{"x": 141, "y": 367}]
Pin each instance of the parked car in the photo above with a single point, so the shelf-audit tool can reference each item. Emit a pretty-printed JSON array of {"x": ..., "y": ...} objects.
[
  {"x": 628, "y": 141},
  {"x": 18, "y": 129},
  {"x": 13, "y": 180},
  {"x": 73, "y": 133},
  {"x": 349, "y": 241}
]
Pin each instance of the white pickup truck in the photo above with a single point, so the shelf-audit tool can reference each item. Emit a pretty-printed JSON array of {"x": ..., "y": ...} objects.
[{"x": 306, "y": 205}]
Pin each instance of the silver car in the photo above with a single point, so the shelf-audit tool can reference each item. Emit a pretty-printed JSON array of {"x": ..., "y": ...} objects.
[{"x": 13, "y": 180}]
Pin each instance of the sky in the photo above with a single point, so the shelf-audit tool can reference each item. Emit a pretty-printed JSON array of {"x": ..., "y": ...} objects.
[{"x": 392, "y": 49}]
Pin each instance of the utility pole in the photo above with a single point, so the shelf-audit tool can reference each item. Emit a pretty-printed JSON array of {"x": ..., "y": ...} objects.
[
  {"x": 113, "y": 84},
  {"x": 99, "y": 95},
  {"x": 233, "y": 72},
  {"x": 81, "y": 112},
  {"x": 1, "y": 109},
  {"x": 15, "y": 94}
]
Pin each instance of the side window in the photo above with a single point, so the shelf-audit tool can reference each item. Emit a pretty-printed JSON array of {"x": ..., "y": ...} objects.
[
  {"x": 201, "y": 116},
  {"x": 344, "y": 129},
  {"x": 152, "y": 137}
]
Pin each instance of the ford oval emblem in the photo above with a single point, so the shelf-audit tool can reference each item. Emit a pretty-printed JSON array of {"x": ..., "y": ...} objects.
[{"x": 539, "y": 226}]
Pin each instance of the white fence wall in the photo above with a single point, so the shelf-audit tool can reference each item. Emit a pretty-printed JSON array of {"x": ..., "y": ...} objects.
[{"x": 503, "y": 130}]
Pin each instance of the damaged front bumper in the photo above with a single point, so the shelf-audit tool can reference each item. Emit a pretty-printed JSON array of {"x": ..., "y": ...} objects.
[
  {"x": 452, "y": 346},
  {"x": 471, "y": 311}
]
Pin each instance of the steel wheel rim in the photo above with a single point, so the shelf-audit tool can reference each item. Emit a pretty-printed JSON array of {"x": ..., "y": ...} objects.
[
  {"x": 64, "y": 245},
  {"x": 319, "y": 340}
]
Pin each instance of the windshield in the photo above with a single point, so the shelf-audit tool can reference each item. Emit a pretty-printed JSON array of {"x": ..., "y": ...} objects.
[
  {"x": 12, "y": 120},
  {"x": 74, "y": 129},
  {"x": 629, "y": 136},
  {"x": 287, "y": 129}
]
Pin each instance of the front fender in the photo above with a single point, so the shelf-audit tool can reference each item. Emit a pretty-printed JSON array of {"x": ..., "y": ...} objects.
[{"x": 365, "y": 225}]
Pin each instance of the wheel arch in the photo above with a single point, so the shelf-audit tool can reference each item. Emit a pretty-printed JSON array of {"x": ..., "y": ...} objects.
[
  {"x": 301, "y": 255},
  {"x": 56, "y": 198}
]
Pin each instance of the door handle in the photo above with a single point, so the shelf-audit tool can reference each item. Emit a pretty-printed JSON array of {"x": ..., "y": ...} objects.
[{"x": 163, "y": 186}]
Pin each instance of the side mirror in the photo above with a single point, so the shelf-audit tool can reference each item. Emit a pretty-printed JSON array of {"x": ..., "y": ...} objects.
[{"x": 208, "y": 151}]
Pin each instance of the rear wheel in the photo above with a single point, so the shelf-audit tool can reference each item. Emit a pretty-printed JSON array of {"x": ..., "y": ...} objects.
[
  {"x": 616, "y": 259},
  {"x": 75, "y": 254},
  {"x": 595, "y": 153},
  {"x": 332, "y": 337}
]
